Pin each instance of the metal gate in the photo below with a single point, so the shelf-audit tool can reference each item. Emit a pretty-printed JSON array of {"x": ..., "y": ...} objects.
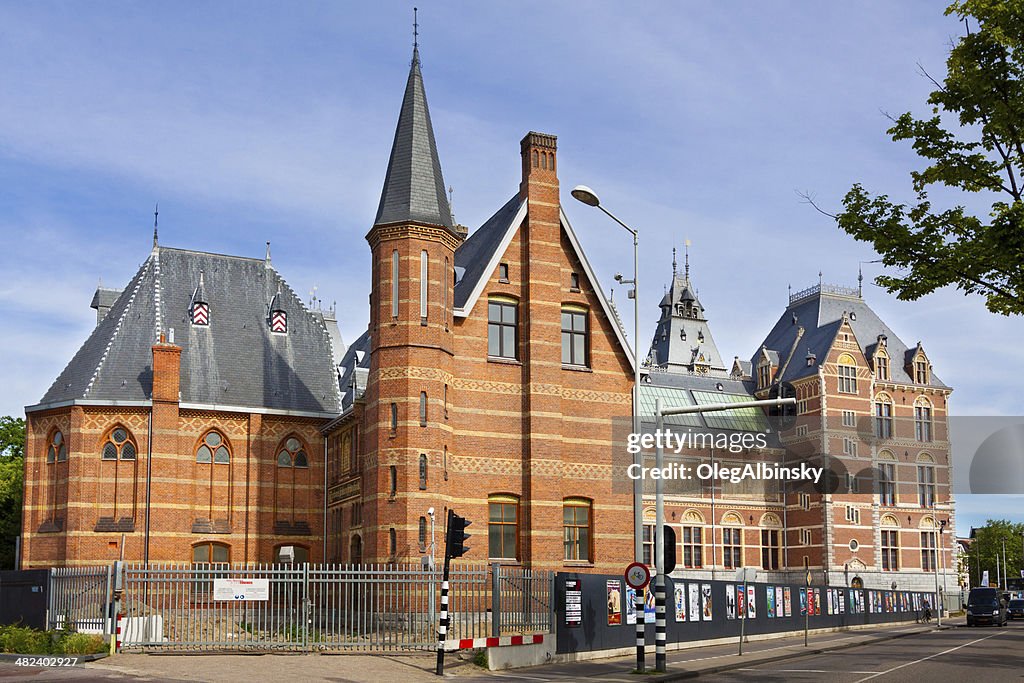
[
  {"x": 325, "y": 607},
  {"x": 79, "y": 599}
]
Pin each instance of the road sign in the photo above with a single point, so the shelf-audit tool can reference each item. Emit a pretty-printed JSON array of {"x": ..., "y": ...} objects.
[{"x": 638, "y": 575}]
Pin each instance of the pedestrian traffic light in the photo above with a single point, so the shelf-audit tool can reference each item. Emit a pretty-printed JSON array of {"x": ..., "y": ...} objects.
[
  {"x": 669, "y": 545},
  {"x": 456, "y": 538}
]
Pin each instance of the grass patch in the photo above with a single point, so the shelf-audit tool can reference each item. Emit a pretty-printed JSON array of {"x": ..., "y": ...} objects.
[{"x": 480, "y": 659}]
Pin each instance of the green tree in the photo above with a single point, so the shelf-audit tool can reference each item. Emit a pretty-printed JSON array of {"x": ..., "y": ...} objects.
[
  {"x": 988, "y": 545},
  {"x": 981, "y": 152},
  {"x": 12, "y": 468}
]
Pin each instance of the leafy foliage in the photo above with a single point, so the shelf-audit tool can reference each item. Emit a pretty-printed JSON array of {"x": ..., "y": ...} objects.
[
  {"x": 988, "y": 545},
  {"x": 984, "y": 154},
  {"x": 12, "y": 470},
  {"x": 28, "y": 641}
]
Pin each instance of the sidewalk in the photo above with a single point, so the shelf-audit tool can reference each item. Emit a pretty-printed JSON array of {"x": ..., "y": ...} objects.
[
  {"x": 693, "y": 662},
  {"x": 390, "y": 668}
]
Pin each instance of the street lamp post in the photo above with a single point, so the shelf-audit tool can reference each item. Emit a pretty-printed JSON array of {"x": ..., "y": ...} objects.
[{"x": 587, "y": 196}]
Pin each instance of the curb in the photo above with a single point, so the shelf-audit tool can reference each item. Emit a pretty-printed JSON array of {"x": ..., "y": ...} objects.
[
  {"x": 683, "y": 675},
  {"x": 7, "y": 657}
]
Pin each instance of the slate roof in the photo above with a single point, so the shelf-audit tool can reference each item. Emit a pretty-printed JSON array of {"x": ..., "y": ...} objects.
[
  {"x": 354, "y": 370},
  {"x": 668, "y": 348},
  {"x": 414, "y": 190},
  {"x": 820, "y": 314},
  {"x": 475, "y": 253},
  {"x": 234, "y": 362}
]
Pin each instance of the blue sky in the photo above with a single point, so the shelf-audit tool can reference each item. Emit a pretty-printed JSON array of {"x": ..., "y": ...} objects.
[{"x": 256, "y": 121}]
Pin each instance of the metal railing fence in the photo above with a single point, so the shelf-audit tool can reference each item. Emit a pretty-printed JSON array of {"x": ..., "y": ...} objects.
[{"x": 325, "y": 607}]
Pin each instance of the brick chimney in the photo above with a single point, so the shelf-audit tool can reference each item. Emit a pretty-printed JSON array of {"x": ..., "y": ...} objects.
[
  {"x": 166, "y": 371},
  {"x": 539, "y": 151}
]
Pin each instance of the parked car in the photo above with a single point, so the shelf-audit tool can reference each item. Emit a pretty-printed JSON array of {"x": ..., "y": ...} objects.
[
  {"x": 1015, "y": 610},
  {"x": 986, "y": 606}
]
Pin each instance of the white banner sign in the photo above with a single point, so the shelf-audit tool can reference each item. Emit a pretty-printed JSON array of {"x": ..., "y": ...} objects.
[
  {"x": 241, "y": 589},
  {"x": 984, "y": 578}
]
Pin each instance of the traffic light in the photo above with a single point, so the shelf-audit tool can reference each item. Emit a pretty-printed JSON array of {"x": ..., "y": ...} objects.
[
  {"x": 455, "y": 542},
  {"x": 669, "y": 545}
]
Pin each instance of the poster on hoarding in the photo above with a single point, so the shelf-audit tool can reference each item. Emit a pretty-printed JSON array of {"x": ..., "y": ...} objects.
[
  {"x": 705, "y": 599},
  {"x": 787, "y": 601},
  {"x": 769, "y": 602},
  {"x": 614, "y": 591},
  {"x": 573, "y": 603},
  {"x": 630, "y": 605},
  {"x": 817, "y": 602},
  {"x": 694, "y": 596},
  {"x": 730, "y": 601},
  {"x": 680, "y": 600},
  {"x": 751, "y": 603}
]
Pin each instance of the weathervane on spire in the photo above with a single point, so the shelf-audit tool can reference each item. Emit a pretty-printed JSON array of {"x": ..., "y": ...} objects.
[
  {"x": 156, "y": 216},
  {"x": 415, "y": 30},
  {"x": 673, "y": 262}
]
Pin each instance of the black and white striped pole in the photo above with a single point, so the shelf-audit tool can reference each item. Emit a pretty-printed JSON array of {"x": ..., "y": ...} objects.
[
  {"x": 641, "y": 635},
  {"x": 442, "y": 629},
  {"x": 659, "y": 547}
]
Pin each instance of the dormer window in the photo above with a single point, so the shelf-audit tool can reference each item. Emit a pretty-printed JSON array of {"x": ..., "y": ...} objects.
[
  {"x": 764, "y": 375},
  {"x": 882, "y": 367},
  {"x": 921, "y": 371},
  {"x": 200, "y": 314},
  {"x": 700, "y": 336}
]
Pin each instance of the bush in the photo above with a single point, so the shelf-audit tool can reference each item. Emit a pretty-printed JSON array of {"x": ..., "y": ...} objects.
[
  {"x": 25, "y": 641},
  {"x": 28, "y": 641},
  {"x": 79, "y": 644}
]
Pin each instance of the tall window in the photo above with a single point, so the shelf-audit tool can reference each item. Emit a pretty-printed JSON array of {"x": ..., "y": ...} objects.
[
  {"x": 213, "y": 449},
  {"x": 502, "y": 527},
  {"x": 770, "y": 548},
  {"x": 732, "y": 548},
  {"x": 501, "y": 329},
  {"x": 849, "y": 418},
  {"x": 883, "y": 416},
  {"x": 928, "y": 550},
  {"x": 922, "y": 420},
  {"x": 921, "y": 371},
  {"x": 423, "y": 471},
  {"x": 58, "y": 450},
  {"x": 574, "y": 336},
  {"x": 394, "y": 284},
  {"x": 422, "y": 535},
  {"x": 926, "y": 485},
  {"x": 423, "y": 409},
  {"x": 394, "y": 419},
  {"x": 764, "y": 374},
  {"x": 693, "y": 547},
  {"x": 882, "y": 367},
  {"x": 576, "y": 523},
  {"x": 392, "y": 481},
  {"x": 423, "y": 285},
  {"x": 847, "y": 374},
  {"x": 444, "y": 292},
  {"x": 648, "y": 544},
  {"x": 392, "y": 542},
  {"x": 887, "y": 483},
  {"x": 890, "y": 550}
]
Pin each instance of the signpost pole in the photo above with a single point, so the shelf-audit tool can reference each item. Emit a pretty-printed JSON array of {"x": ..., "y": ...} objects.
[
  {"x": 660, "y": 661},
  {"x": 442, "y": 630},
  {"x": 638, "y": 577}
]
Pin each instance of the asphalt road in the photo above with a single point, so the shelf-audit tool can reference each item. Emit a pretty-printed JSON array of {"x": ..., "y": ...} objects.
[{"x": 981, "y": 654}]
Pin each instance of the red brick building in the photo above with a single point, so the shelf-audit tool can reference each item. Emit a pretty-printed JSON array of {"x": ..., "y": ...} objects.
[{"x": 211, "y": 416}]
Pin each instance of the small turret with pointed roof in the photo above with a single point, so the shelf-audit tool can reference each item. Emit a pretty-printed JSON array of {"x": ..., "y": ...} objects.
[{"x": 414, "y": 190}]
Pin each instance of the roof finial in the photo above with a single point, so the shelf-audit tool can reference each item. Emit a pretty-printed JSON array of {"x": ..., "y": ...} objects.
[
  {"x": 819, "y": 279},
  {"x": 415, "y": 36},
  {"x": 156, "y": 216},
  {"x": 268, "y": 253},
  {"x": 860, "y": 280},
  {"x": 687, "y": 251},
  {"x": 674, "y": 263},
  {"x": 789, "y": 288},
  {"x": 451, "y": 200}
]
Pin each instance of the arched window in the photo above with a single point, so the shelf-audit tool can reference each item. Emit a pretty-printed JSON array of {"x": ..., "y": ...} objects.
[
  {"x": 355, "y": 550},
  {"x": 847, "y": 374},
  {"x": 693, "y": 539},
  {"x": 732, "y": 540},
  {"x": 213, "y": 448},
  {"x": 209, "y": 552},
  {"x": 882, "y": 365},
  {"x": 922, "y": 419},
  {"x": 292, "y": 453},
  {"x": 119, "y": 445},
  {"x": 883, "y": 416},
  {"x": 423, "y": 533},
  {"x": 58, "y": 450},
  {"x": 886, "y": 478}
]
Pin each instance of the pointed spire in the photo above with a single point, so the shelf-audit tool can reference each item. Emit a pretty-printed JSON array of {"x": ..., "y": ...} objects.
[
  {"x": 414, "y": 190},
  {"x": 686, "y": 246},
  {"x": 674, "y": 266},
  {"x": 267, "y": 258},
  {"x": 156, "y": 216},
  {"x": 860, "y": 280}
]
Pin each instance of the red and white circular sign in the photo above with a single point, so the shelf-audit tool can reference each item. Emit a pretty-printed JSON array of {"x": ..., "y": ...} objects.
[{"x": 638, "y": 575}]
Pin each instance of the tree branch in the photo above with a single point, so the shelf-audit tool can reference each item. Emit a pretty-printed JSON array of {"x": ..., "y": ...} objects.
[{"x": 808, "y": 199}]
